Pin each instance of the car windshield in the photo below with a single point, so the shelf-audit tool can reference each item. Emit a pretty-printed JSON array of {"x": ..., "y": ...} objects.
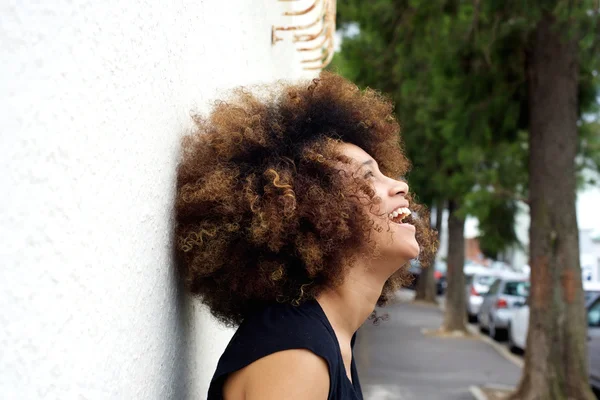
[{"x": 516, "y": 288}]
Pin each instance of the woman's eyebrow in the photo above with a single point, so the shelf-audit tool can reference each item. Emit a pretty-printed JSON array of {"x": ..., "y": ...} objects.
[{"x": 364, "y": 164}]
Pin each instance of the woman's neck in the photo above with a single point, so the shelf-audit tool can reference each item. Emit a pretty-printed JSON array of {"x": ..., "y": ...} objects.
[{"x": 348, "y": 305}]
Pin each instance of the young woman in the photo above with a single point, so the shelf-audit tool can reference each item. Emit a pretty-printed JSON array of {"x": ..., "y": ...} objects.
[{"x": 293, "y": 222}]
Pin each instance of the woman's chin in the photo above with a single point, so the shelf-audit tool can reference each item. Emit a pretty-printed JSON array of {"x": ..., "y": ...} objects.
[
  {"x": 401, "y": 248},
  {"x": 410, "y": 251},
  {"x": 416, "y": 252}
]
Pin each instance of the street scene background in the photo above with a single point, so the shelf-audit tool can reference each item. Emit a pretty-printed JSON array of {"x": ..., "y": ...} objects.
[{"x": 499, "y": 107}]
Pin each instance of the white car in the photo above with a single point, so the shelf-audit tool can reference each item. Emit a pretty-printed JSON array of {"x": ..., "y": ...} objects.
[
  {"x": 517, "y": 329},
  {"x": 518, "y": 326},
  {"x": 504, "y": 296},
  {"x": 477, "y": 286}
]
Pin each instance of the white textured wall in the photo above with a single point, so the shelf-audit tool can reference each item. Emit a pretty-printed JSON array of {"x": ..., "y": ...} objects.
[{"x": 94, "y": 96}]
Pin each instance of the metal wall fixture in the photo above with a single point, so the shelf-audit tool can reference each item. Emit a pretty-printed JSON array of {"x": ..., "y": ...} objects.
[{"x": 320, "y": 40}]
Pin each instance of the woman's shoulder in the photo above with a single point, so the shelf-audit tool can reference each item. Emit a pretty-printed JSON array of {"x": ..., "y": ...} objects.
[
  {"x": 275, "y": 329},
  {"x": 298, "y": 373}
]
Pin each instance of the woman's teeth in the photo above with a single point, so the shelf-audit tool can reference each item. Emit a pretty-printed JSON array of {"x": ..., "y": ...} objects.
[{"x": 399, "y": 214}]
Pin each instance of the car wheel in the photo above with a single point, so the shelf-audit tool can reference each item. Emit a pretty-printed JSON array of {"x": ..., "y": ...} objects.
[
  {"x": 494, "y": 332},
  {"x": 491, "y": 328},
  {"x": 472, "y": 318},
  {"x": 482, "y": 328}
]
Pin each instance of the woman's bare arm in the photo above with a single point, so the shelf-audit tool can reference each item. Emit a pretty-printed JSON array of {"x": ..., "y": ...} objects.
[{"x": 292, "y": 374}]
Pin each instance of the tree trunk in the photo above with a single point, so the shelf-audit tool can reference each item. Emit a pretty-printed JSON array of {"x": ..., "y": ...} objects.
[
  {"x": 455, "y": 314},
  {"x": 426, "y": 286},
  {"x": 556, "y": 359}
]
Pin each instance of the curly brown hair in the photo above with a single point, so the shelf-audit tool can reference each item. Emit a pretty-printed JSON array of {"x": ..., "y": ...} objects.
[{"x": 264, "y": 213}]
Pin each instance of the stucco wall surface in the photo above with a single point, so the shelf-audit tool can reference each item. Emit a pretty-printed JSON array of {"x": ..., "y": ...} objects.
[{"x": 94, "y": 97}]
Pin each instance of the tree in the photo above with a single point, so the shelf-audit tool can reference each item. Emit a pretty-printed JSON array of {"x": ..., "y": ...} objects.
[
  {"x": 455, "y": 296},
  {"x": 496, "y": 228},
  {"x": 556, "y": 359}
]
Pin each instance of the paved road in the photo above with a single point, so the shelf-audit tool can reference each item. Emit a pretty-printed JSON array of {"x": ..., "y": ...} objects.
[{"x": 396, "y": 361}]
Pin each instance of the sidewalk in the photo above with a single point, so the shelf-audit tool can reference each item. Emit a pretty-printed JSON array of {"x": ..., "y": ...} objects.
[{"x": 397, "y": 362}]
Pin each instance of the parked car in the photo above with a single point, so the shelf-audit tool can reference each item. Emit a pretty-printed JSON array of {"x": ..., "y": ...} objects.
[
  {"x": 477, "y": 285},
  {"x": 471, "y": 268},
  {"x": 518, "y": 326},
  {"x": 593, "y": 316},
  {"x": 590, "y": 290},
  {"x": 500, "y": 302}
]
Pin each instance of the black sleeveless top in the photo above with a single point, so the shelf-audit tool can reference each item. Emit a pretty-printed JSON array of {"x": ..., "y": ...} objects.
[{"x": 281, "y": 327}]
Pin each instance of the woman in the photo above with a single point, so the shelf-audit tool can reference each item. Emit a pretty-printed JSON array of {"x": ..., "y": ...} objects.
[{"x": 293, "y": 223}]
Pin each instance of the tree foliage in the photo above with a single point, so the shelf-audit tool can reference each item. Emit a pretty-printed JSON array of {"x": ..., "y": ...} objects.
[{"x": 457, "y": 73}]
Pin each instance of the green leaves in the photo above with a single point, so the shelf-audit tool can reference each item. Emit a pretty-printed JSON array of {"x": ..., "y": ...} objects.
[{"x": 456, "y": 71}]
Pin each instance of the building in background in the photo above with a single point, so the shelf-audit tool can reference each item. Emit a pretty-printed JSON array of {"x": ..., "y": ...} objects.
[
  {"x": 589, "y": 243},
  {"x": 517, "y": 256}
]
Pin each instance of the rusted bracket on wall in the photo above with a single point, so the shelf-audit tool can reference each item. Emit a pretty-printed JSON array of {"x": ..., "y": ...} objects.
[{"x": 321, "y": 40}]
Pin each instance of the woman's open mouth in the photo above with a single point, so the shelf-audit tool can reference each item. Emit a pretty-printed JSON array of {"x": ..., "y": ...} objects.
[{"x": 397, "y": 216}]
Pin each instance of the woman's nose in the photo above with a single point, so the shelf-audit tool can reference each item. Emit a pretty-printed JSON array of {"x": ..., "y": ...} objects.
[{"x": 400, "y": 188}]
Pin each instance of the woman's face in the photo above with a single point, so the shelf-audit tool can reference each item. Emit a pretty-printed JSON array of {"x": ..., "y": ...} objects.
[{"x": 399, "y": 240}]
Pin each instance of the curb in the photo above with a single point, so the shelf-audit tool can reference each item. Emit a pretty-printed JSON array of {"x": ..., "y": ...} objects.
[
  {"x": 477, "y": 393},
  {"x": 503, "y": 351},
  {"x": 500, "y": 349}
]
